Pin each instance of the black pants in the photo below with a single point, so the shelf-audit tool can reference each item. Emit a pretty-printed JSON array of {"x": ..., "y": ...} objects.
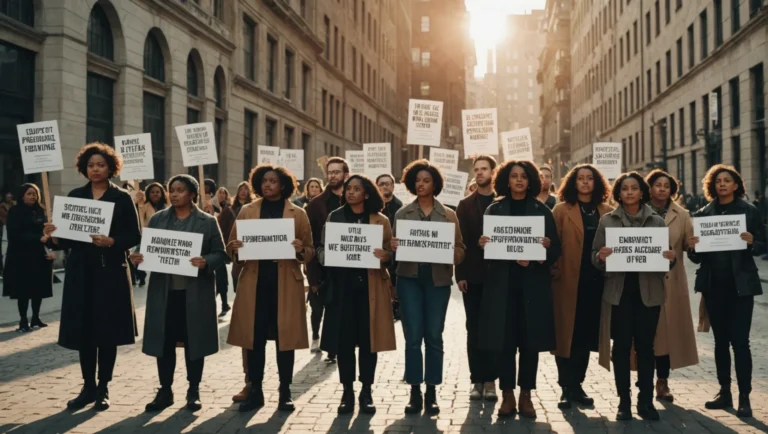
[
  {"x": 176, "y": 331},
  {"x": 316, "y": 304},
  {"x": 632, "y": 321},
  {"x": 572, "y": 371},
  {"x": 731, "y": 318},
  {"x": 483, "y": 365},
  {"x": 104, "y": 356},
  {"x": 515, "y": 338},
  {"x": 356, "y": 332},
  {"x": 23, "y": 304},
  {"x": 257, "y": 360},
  {"x": 222, "y": 283},
  {"x": 663, "y": 366}
]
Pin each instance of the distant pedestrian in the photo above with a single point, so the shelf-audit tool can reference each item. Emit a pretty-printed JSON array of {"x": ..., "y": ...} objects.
[
  {"x": 5, "y": 206},
  {"x": 312, "y": 188},
  {"x": 226, "y": 220},
  {"x": 153, "y": 199},
  {"x": 545, "y": 196},
  {"x": 243, "y": 197}
]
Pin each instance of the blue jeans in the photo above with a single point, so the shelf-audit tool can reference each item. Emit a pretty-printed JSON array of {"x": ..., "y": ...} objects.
[{"x": 423, "y": 308}]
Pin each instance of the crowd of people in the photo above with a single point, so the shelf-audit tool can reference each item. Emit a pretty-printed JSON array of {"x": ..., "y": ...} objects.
[{"x": 567, "y": 304}]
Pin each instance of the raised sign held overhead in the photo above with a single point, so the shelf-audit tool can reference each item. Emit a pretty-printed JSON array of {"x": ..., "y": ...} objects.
[
  {"x": 356, "y": 161},
  {"x": 198, "y": 144},
  {"x": 40, "y": 147},
  {"x": 378, "y": 159},
  {"x": 425, "y": 122},
  {"x": 606, "y": 157},
  {"x": 446, "y": 160},
  {"x": 481, "y": 131},
  {"x": 517, "y": 144},
  {"x": 268, "y": 155},
  {"x": 453, "y": 188},
  {"x": 293, "y": 160},
  {"x": 136, "y": 151}
]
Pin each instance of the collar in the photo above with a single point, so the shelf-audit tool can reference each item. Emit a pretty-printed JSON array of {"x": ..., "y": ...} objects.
[{"x": 413, "y": 207}]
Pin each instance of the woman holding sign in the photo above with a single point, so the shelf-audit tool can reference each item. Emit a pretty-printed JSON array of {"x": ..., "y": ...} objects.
[
  {"x": 631, "y": 300},
  {"x": 270, "y": 294},
  {"x": 729, "y": 282},
  {"x": 153, "y": 199},
  {"x": 516, "y": 308},
  {"x": 424, "y": 288},
  {"x": 97, "y": 313},
  {"x": 357, "y": 300}
]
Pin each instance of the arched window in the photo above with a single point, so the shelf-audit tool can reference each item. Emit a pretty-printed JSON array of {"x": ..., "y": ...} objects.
[
  {"x": 100, "y": 34},
  {"x": 192, "y": 81},
  {"x": 154, "y": 63},
  {"x": 100, "y": 93},
  {"x": 154, "y": 100},
  {"x": 217, "y": 92},
  {"x": 20, "y": 10}
]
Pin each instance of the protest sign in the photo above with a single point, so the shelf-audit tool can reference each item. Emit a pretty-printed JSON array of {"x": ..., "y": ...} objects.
[
  {"x": 351, "y": 245},
  {"x": 356, "y": 161},
  {"x": 453, "y": 188},
  {"x": 425, "y": 122},
  {"x": 402, "y": 193},
  {"x": 637, "y": 249},
  {"x": 517, "y": 144},
  {"x": 170, "y": 252},
  {"x": 268, "y": 155},
  {"x": 481, "y": 131},
  {"x": 514, "y": 238},
  {"x": 446, "y": 160},
  {"x": 427, "y": 242},
  {"x": 77, "y": 219},
  {"x": 293, "y": 160},
  {"x": 40, "y": 147},
  {"x": 606, "y": 157},
  {"x": 720, "y": 233},
  {"x": 136, "y": 151},
  {"x": 378, "y": 159},
  {"x": 198, "y": 144},
  {"x": 266, "y": 239}
]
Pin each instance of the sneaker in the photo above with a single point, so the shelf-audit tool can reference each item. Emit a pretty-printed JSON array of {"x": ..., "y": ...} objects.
[
  {"x": 315, "y": 348},
  {"x": 490, "y": 392},
  {"x": 476, "y": 393}
]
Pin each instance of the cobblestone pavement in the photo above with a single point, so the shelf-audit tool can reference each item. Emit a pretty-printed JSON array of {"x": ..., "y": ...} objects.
[{"x": 37, "y": 377}]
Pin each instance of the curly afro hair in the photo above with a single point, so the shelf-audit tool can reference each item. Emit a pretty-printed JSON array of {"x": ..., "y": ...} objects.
[
  {"x": 288, "y": 183},
  {"x": 570, "y": 194},
  {"x": 645, "y": 189},
  {"x": 501, "y": 178},
  {"x": 654, "y": 176},
  {"x": 114, "y": 160},
  {"x": 710, "y": 185},
  {"x": 413, "y": 169},
  {"x": 374, "y": 203}
]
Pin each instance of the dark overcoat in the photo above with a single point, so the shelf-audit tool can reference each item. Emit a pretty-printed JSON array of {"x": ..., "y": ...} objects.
[{"x": 27, "y": 271}]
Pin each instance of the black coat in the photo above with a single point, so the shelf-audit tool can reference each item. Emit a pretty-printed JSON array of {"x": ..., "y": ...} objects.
[
  {"x": 27, "y": 271},
  {"x": 97, "y": 303},
  {"x": 536, "y": 284}
]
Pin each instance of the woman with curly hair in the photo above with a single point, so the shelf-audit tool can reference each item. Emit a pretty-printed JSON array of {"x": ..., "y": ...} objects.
[
  {"x": 516, "y": 308},
  {"x": 270, "y": 293},
  {"x": 97, "y": 312},
  {"x": 729, "y": 282},
  {"x": 424, "y": 288},
  {"x": 578, "y": 286},
  {"x": 312, "y": 188}
]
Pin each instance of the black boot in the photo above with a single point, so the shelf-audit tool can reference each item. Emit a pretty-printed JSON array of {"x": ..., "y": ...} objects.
[
  {"x": 163, "y": 400},
  {"x": 255, "y": 399},
  {"x": 347, "y": 400},
  {"x": 37, "y": 323},
  {"x": 625, "y": 407},
  {"x": 87, "y": 396},
  {"x": 102, "y": 398},
  {"x": 578, "y": 395},
  {"x": 430, "y": 401},
  {"x": 723, "y": 400},
  {"x": 745, "y": 408},
  {"x": 416, "y": 403},
  {"x": 193, "y": 398},
  {"x": 23, "y": 326},
  {"x": 285, "y": 403},
  {"x": 645, "y": 408},
  {"x": 366, "y": 400},
  {"x": 565, "y": 399}
]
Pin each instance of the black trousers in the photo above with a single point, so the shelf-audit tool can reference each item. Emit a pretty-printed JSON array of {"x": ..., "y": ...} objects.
[
  {"x": 483, "y": 365},
  {"x": 663, "y": 366},
  {"x": 572, "y": 371},
  {"x": 515, "y": 338},
  {"x": 257, "y": 360},
  {"x": 222, "y": 283},
  {"x": 356, "y": 332},
  {"x": 23, "y": 305},
  {"x": 105, "y": 357},
  {"x": 632, "y": 321},
  {"x": 316, "y": 318},
  {"x": 176, "y": 331},
  {"x": 731, "y": 318}
]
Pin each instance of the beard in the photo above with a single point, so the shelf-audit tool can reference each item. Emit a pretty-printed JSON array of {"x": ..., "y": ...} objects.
[{"x": 483, "y": 184}]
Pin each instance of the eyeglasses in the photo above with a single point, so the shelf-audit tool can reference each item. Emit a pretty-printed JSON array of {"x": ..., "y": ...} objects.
[
  {"x": 335, "y": 172},
  {"x": 384, "y": 184}
]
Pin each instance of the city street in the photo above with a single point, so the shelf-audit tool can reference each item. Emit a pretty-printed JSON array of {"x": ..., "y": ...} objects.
[{"x": 37, "y": 377}]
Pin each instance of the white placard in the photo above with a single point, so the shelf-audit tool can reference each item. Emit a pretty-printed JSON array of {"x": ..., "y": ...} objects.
[
  {"x": 293, "y": 160},
  {"x": 426, "y": 242},
  {"x": 446, "y": 160},
  {"x": 425, "y": 122},
  {"x": 515, "y": 238},
  {"x": 454, "y": 187},
  {"x": 351, "y": 245},
  {"x": 356, "y": 161},
  {"x": 198, "y": 144},
  {"x": 713, "y": 114},
  {"x": 268, "y": 155},
  {"x": 720, "y": 233},
  {"x": 637, "y": 249},
  {"x": 607, "y": 159},
  {"x": 266, "y": 239},
  {"x": 169, "y": 252},
  {"x": 378, "y": 159},
  {"x": 77, "y": 219},
  {"x": 402, "y": 193},
  {"x": 481, "y": 131},
  {"x": 136, "y": 151},
  {"x": 40, "y": 147},
  {"x": 517, "y": 144}
]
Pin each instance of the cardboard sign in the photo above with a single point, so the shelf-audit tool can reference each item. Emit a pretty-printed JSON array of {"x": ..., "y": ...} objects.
[
  {"x": 481, "y": 131},
  {"x": 720, "y": 233},
  {"x": 77, "y": 219},
  {"x": 425, "y": 122},
  {"x": 517, "y": 144},
  {"x": 198, "y": 144},
  {"x": 378, "y": 159},
  {"x": 293, "y": 160},
  {"x": 40, "y": 147},
  {"x": 514, "y": 238},
  {"x": 352, "y": 245},
  {"x": 356, "y": 161},
  {"x": 268, "y": 155},
  {"x": 606, "y": 157},
  {"x": 266, "y": 239},
  {"x": 454, "y": 187},
  {"x": 136, "y": 151},
  {"x": 403, "y": 194},
  {"x": 637, "y": 249},
  {"x": 446, "y": 160},
  {"x": 169, "y": 252},
  {"x": 425, "y": 242}
]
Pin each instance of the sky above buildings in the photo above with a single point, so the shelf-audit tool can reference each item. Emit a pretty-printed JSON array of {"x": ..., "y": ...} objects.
[{"x": 487, "y": 23}]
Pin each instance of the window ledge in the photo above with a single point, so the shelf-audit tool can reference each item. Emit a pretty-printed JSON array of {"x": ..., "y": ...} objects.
[
  {"x": 102, "y": 66},
  {"x": 284, "y": 10},
  {"x": 153, "y": 85}
]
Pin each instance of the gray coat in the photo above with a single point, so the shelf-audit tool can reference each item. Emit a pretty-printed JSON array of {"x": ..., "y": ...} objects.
[{"x": 202, "y": 324}]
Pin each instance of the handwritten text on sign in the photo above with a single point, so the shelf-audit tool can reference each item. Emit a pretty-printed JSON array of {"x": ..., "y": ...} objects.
[
  {"x": 77, "y": 219},
  {"x": 444, "y": 159},
  {"x": 607, "y": 158},
  {"x": 268, "y": 155},
  {"x": 427, "y": 242},
  {"x": 356, "y": 161},
  {"x": 720, "y": 233},
  {"x": 136, "y": 151},
  {"x": 350, "y": 245},
  {"x": 481, "y": 131},
  {"x": 169, "y": 252},
  {"x": 266, "y": 239},
  {"x": 517, "y": 144},
  {"x": 425, "y": 121},
  {"x": 40, "y": 147},
  {"x": 453, "y": 188},
  {"x": 293, "y": 160},
  {"x": 515, "y": 238},
  {"x": 198, "y": 144},
  {"x": 378, "y": 159},
  {"x": 637, "y": 249}
]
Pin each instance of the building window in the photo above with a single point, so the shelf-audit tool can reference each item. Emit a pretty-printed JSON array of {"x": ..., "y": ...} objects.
[
  {"x": 634, "y": 34},
  {"x": 343, "y": 54},
  {"x": 99, "y": 33},
  {"x": 424, "y": 88},
  {"x": 192, "y": 82},
  {"x": 303, "y": 8},
  {"x": 248, "y": 137},
  {"x": 733, "y": 89},
  {"x": 217, "y": 92},
  {"x": 735, "y": 16},
  {"x": 703, "y": 35},
  {"x": 658, "y": 78},
  {"x": 681, "y": 121},
  {"x": 648, "y": 28},
  {"x": 672, "y": 131},
  {"x": 249, "y": 49},
  {"x": 193, "y": 117},
  {"x": 691, "y": 47},
  {"x": 718, "y": 5},
  {"x": 692, "y": 121},
  {"x": 288, "y": 140},
  {"x": 335, "y": 46},
  {"x": 424, "y": 24},
  {"x": 325, "y": 103},
  {"x": 154, "y": 123},
  {"x": 271, "y": 59},
  {"x": 327, "y": 28},
  {"x": 668, "y": 58},
  {"x": 736, "y": 152},
  {"x": 648, "y": 87},
  {"x": 288, "y": 74},
  {"x": 269, "y": 132},
  {"x": 305, "y": 71},
  {"x": 667, "y": 12},
  {"x": 658, "y": 18},
  {"x": 425, "y": 58},
  {"x": 754, "y": 7},
  {"x": 757, "y": 77},
  {"x": 19, "y": 10},
  {"x": 154, "y": 63},
  {"x": 100, "y": 103},
  {"x": 218, "y": 9},
  {"x": 679, "y": 47},
  {"x": 678, "y": 5}
]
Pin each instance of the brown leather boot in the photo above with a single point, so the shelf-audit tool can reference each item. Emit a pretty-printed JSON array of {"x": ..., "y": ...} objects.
[
  {"x": 662, "y": 391},
  {"x": 508, "y": 405},
  {"x": 243, "y": 395},
  {"x": 526, "y": 408}
]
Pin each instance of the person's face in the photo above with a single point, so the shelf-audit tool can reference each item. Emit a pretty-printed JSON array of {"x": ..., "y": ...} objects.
[
  {"x": 8, "y": 197},
  {"x": 221, "y": 195},
  {"x": 313, "y": 189},
  {"x": 207, "y": 189},
  {"x": 30, "y": 197},
  {"x": 98, "y": 169},
  {"x": 483, "y": 173},
  {"x": 336, "y": 175},
  {"x": 270, "y": 185},
  {"x": 725, "y": 185},
  {"x": 355, "y": 194},
  {"x": 180, "y": 195},
  {"x": 546, "y": 180},
  {"x": 243, "y": 193},
  {"x": 518, "y": 180},
  {"x": 661, "y": 189},
  {"x": 425, "y": 184},
  {"x": 155, "y": 195},
  {"x": 630, "y": 192},
  {"x": 585, "y": 181},
  {"x": 386, "y": 187}
]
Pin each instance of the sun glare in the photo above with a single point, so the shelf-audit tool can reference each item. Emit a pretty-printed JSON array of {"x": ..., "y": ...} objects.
[{"x": 486, "y": 28}]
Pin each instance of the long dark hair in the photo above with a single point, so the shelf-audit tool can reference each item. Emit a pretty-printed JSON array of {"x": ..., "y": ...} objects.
[
  {"x": 570, "y": 194},
  {"x": 374, "y": 203},
  {"x": 23, "y": 190},
  {"x": 164, "y": 202},
  {"x": 710, "y": 190},
  {"x": 501, "y": 178}
]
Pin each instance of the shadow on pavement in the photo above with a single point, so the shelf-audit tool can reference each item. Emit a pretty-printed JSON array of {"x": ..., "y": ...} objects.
[
  {"x": 64, "y": 421},
  {"x": 480, "y": 413},
  {"x": 177, "y": 422},
  {"x": 47, "y": 357},
  {"x": 360, "y": 425}
]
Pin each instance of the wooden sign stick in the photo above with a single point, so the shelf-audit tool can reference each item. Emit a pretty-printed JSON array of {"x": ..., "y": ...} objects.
[
  {"x": 47, "y": 197},
  {"x": 202, "y": 185},
  {"x": 136, "y": 188}
]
